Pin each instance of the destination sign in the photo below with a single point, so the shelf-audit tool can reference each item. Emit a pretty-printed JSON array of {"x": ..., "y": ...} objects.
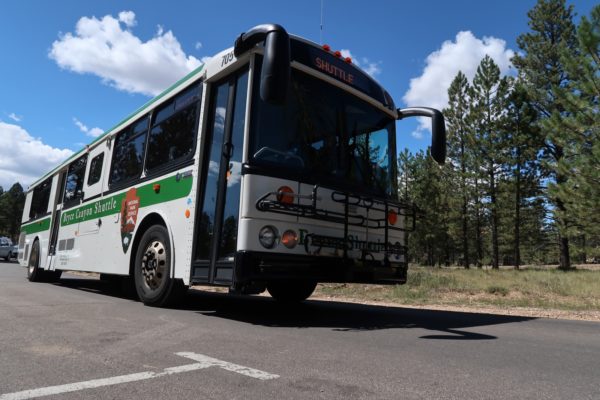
[{"x": 325, "y": 62}]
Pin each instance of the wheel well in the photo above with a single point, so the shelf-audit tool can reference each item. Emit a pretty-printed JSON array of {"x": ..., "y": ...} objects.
[{"x": 150, "y": 220}]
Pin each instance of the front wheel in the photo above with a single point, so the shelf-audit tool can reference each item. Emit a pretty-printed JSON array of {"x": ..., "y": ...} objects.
[
  {"x": 152, "y": 269},
  {"x": 291, "y": 291}
]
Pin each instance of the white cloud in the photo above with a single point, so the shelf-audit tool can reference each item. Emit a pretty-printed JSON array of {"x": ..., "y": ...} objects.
[
  {"x": 107, "y": 48},
  {"x": 463, "y": 54},
  {"x": 198, "y": 45},
  {"x": 15, "y": 117},
  {"x": 24, "y": 158},
  {"x": 418, "y": 134},
  {"x": 371, "y": 68},
  {"x": 128, "y": 18},
  {"x": 93, "y": 132}
]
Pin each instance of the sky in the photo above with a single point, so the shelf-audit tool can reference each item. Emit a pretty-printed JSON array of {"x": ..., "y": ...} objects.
[{"x": 70, "y": 70}]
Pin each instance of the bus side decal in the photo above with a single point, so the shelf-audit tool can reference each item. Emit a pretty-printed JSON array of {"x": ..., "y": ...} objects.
[
  {"x": 172, "y": 188},
  {"x": 37, "y": 226}
]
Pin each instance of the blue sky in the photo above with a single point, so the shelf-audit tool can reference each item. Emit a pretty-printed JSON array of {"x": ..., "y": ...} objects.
[{"x": 64, "y": 81}]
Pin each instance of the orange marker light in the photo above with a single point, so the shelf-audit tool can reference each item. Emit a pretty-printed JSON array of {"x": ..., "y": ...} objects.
[
  {"x": 284, "y": 195},
  {"x": 289, "y": 239},
  {"x": 156, "y": 187},
  {"x": 187, "y": 213},
  {"x": 392, "y": 217}
]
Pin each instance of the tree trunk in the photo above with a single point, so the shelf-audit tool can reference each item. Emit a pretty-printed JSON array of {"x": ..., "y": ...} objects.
[
  {"x": 495, "y": 264},
  {"x": 465, "y": 226},
  {"x": 517, "y": 237},
  {"x": 563, "y": 240},
  {"x": 478, "y": 240}
]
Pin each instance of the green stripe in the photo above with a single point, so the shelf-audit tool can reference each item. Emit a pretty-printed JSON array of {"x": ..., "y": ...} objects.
[
  {"x": 129, "y": 117},
  {"x": 170, "y": 189},
  {"x": 37, "y": 226}
]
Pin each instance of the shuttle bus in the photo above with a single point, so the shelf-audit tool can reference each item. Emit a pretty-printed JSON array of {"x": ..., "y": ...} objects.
[{"x": 270, "y": 167}]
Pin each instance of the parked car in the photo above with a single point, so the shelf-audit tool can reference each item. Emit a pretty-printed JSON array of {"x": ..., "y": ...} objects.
[{"x": 7, "y": 249}]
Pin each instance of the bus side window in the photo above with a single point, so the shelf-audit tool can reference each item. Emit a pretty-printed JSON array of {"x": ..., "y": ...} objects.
[
  {"x": 173, "y": 131},
  {"x": 74, "y": 183},
  {"x": 40, "y": 199},
  {"x": 128, "y": 153},
  {"x": 95, "y": 169}
]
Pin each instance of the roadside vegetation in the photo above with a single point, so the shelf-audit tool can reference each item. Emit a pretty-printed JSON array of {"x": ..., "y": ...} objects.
[{"x": 533, "y": 287}]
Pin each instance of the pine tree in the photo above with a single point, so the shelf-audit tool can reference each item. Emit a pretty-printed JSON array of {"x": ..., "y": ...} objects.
[
  {"x": 552, "y": 35},
  {"x": 489, "y": 96},
  {"x": 580, "y": 100},
  {"x": 459, "y": 136},
  {"x": 525, "y": 142},
  {"x": 11, "y": 210}
]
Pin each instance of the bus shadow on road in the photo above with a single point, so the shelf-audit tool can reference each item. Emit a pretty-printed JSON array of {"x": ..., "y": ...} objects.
[
  {"x": 335, "y": 315},
  {"x": 343, "y": 316}
]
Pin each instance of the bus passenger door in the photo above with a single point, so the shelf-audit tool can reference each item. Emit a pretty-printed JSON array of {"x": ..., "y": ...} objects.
[
  {"x": 220, "y": 181},
  {"x": 87, "y": 235},
  {"x": 56, "y": 215}
]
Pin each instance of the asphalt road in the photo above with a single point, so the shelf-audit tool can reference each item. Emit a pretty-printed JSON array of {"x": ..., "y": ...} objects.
[{"x": 81, "y": 340}]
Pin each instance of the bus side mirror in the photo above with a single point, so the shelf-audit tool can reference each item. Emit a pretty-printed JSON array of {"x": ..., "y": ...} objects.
[
  {"x": 275, "y": 73},
  {"x": 438, "y": 129}
]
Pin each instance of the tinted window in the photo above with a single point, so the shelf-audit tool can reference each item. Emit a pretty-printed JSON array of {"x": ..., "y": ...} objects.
[
  {"x": 173, "y": 130},
  {"x": 128, "y": 155},
  {"x": 40, "y": 199},
  {"x": 74, "y": 183},
  {"x": 95, "y": 169},
  {"x": 327, "y": 134}
]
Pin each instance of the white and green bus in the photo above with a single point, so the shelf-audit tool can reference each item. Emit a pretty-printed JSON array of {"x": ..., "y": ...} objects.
[{"x": 272, "y": 166}]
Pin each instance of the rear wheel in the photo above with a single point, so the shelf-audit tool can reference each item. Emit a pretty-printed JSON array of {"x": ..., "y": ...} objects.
[
  {"x": 34, "y": 273},
  {"x": 152, "y": 269},
  {"x": 291, "y": 291}
]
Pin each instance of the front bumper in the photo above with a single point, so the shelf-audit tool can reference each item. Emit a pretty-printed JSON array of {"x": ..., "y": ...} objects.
[{"x": 254, "y": 267}]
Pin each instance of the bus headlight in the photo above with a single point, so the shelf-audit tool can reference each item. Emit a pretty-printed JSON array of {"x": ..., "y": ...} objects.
[
  {"x": 267, "y": 236},
  {"x": 289, "y": 239}
]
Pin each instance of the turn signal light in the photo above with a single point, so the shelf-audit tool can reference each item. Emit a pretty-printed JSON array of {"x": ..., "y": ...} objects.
[
  {"x": 392, "y": 217},
  {"x": 289, "y": 239},
  {"x": 285, "y": 195}
]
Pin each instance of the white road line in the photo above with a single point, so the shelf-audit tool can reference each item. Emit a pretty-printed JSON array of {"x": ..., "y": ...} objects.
[
  {"x": 240, "y": 369},
  {"x": 202, "y": 363}
]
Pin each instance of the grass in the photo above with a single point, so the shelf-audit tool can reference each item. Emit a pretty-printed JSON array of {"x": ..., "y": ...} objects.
[{"x": 545, "y": 288}]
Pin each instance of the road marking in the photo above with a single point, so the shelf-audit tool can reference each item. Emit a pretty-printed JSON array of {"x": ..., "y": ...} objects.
[
  {"x": 240, "y": 369},
  {"x": 202, "y": 363}
]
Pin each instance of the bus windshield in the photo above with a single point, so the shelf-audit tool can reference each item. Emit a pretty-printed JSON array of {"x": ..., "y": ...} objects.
[{"x": 324, "y": 135}]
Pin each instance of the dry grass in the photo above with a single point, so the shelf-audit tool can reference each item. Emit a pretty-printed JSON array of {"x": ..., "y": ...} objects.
[{"x": 541, "y": 288}]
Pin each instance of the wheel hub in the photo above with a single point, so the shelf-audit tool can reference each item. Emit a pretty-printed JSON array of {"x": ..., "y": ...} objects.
[{"x": 154, "y": 264}]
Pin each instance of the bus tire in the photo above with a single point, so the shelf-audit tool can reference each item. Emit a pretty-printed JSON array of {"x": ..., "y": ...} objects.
[
  {"x": 291, "y": 291},
  {"x": 34, "y": 272},
  {"x": 152, "y": 269}
]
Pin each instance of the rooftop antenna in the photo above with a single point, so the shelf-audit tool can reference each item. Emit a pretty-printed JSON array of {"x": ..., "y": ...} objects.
[{"x": 321, "y": 33}]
